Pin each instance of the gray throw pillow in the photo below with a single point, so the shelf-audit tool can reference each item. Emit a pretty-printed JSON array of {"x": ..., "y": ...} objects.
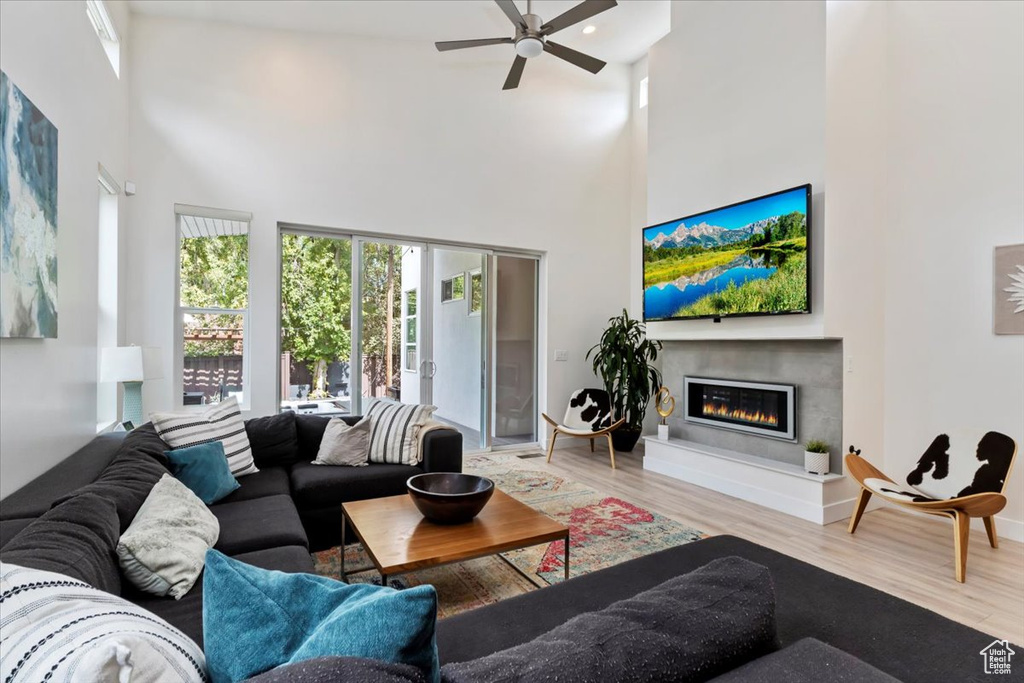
[
  {"x": 690, "y": 628},
  {"x": 345, "y": 445},
  {"x": 164, "y": 549}
]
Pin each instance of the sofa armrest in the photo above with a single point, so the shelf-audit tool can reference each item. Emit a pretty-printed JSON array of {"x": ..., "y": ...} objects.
[{"x": 442, "y": 451}]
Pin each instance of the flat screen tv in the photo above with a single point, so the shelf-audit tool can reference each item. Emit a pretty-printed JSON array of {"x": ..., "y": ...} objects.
[{"x": 749, "y": 258}]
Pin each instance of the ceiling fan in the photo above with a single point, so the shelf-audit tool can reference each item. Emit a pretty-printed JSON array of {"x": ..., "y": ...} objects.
[{"x": 531, "y": 37}]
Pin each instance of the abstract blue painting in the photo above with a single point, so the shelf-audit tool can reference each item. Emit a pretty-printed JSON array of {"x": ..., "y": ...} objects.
[{"x": 28, "y": 217}]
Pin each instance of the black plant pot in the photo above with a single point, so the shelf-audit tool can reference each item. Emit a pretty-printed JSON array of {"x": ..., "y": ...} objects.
[{"x": 624, "y": 438}]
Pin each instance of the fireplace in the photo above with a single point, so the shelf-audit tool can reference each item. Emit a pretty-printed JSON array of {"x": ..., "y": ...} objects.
[{"x": 750, "y": 407}]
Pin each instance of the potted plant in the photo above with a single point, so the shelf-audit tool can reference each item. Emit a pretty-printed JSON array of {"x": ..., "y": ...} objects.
[
  {"x": 623, "y": 360},
  {"x": 816, "y": 457}
]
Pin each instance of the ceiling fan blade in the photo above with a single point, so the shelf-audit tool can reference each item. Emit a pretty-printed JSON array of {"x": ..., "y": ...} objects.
[
  {"x": 512, "y": 12},
  {"x": 445, "y": 45},
  {"x": 580, "y": 12},
  {"x": 591, "y": 64},
  {"x": 515, "y": 73}
]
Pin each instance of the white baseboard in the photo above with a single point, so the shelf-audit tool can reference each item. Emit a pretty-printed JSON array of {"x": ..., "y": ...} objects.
[
  {"x": 1011, "y": 529},
  {"x": 843, "y": 509}
]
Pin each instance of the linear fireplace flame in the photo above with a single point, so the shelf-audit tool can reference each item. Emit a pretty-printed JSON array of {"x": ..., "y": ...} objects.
[
  {"x": 750, "y": 407},
  {"x": 756, "y": 417}
]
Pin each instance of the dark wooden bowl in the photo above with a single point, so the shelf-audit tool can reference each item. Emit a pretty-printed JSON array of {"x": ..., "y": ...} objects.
[{"x": 449, "y": 497}]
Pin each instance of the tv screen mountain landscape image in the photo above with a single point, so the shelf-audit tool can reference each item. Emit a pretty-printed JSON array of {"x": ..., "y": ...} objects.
[{"x": 745, "y": 259}]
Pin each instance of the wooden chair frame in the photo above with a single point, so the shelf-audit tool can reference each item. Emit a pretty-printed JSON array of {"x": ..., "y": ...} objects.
[
  {"x": 960, "y": 510},
  {"x": 606, "y": 432}
]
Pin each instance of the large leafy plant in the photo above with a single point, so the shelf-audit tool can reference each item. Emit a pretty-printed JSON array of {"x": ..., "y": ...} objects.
[{"x": 623, "y": 360}]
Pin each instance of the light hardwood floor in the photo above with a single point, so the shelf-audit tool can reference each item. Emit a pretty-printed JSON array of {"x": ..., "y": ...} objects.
[{"x": 905, "y": 555}]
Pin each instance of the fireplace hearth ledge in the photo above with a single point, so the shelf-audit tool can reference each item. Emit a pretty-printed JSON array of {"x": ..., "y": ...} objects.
[{"x": 781, "y": 486}]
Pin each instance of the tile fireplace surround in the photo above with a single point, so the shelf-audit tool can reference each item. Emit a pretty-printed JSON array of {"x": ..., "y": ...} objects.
[{"x": 813, "y": 366}]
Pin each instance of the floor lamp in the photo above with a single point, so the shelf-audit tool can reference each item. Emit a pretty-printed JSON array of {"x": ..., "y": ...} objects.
[{"x": 130, "y": 365}]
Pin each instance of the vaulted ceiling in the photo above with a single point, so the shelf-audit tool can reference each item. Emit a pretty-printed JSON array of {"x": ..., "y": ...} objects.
[{"x": 623, "y": 34}]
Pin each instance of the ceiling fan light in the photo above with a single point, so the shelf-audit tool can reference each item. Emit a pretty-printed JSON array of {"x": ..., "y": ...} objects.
[{"x": 529, "y": 47}]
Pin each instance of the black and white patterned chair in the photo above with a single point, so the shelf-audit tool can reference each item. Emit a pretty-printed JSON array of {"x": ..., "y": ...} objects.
[
  {"x": 589, "y": 415},
  {"x": 959, "y": 478}
]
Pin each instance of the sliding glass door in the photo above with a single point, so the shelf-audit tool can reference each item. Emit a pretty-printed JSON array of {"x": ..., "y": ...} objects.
[
  {"x": 316, "y": 323},
  {"x": 454, "y": 364},
  {"x": 515, "y": 350},
  {"x": 389, "y": 273},
  {"x": 365, "y": 318}
]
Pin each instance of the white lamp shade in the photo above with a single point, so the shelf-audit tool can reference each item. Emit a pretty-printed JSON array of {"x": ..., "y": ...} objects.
[{"x": 129, "y": 364}]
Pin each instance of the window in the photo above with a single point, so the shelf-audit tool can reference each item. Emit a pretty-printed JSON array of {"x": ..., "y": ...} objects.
[
  {"x": 642, "y": 95},
  {"x": 453, "y": 289},
  {"x": 476, "y": 292},
  {"x": 107, "y": 276},
  {"x": 213, "y": 286},
  {"x": 105, "y": 31},
  {"x": 409, "y": 330}
]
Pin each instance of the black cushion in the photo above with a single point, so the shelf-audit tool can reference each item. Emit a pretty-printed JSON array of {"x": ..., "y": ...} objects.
[
  {"x": 689, "y": 628},
  {"x": 144, "y": 440},
  {"x": 74, "y": 472},
  {"x": 269, "y": 481},
  {"x": 342, "y": 670},
  {"x": 186, "y": 614},
  {"x": 127, "y": 481},
  {"x": 442, "y": 451},
  {"x": 806, "y": 661},
  {"x": 258, "y": 524},
  {"x": 9, "y": 528},
  {"x": 77, "y": 538},
  {"x": 273, "y": 439},
  {"x": 320, "y": 486}
]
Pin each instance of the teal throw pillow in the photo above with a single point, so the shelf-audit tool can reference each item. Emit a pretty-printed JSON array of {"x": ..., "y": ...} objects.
[
  {"x": 204, "y": 469},
  {"x": 257, "y": 619}
]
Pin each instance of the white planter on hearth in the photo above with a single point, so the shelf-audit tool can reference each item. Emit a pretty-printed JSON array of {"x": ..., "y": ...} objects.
[{"x": 815, "y": 463}]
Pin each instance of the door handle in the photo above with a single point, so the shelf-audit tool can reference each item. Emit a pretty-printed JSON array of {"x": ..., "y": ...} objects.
[{"x": 433, "y": 369}]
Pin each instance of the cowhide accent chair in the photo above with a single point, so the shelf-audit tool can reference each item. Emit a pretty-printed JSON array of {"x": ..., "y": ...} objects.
[
  {"x": 960, "y": 486},
  {"x": 588, "y": 416}
]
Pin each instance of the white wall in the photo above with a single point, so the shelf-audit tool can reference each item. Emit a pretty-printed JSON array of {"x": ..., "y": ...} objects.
[
  {"x": 955, "y": 176},
  {"x": 638, "y": 185},
  {"x": 911, "y": 111},
  {"x": 856, "y": 212},
  {"x": 737, "y": 110},
  {"x": 48, "y": 393},
  {"x": 383, "y": 136}
]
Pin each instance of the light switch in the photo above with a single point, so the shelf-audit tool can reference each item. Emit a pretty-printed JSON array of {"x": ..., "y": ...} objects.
[{"x": 561, "y": 354}]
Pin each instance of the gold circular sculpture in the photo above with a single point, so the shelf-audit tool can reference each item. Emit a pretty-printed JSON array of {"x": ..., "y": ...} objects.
[{"x": 664, "y": 403}]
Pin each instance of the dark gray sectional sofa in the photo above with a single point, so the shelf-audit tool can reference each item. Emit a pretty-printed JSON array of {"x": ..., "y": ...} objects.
[
  {"x": 824, "y": 627},
  {"x": 273, "y": 520}
]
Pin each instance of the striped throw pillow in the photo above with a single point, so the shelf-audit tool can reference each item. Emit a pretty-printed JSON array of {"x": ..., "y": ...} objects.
[
  {"x": 220, "y": 422},
  {"x": 394, "y": 431},
  {"x": 59, "y": 629}
]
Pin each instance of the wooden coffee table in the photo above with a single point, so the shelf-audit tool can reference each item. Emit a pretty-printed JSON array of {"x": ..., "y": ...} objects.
[{"x": 398, "y": 539}]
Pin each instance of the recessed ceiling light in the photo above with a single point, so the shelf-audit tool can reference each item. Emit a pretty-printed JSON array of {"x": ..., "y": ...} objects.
[{"x": 589, "y": 29}]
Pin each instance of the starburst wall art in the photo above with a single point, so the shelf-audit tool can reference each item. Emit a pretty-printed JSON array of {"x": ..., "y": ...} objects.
[{"x": 1008, "y": 306}]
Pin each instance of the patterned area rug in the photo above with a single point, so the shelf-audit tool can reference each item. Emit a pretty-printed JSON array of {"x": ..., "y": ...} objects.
[{"x": 603, "y": 531}]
